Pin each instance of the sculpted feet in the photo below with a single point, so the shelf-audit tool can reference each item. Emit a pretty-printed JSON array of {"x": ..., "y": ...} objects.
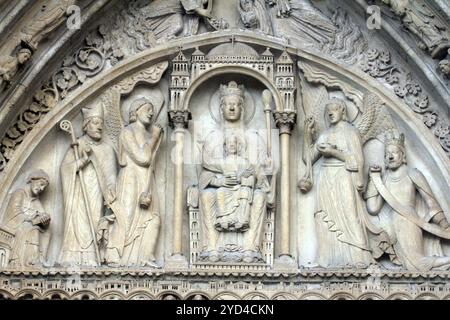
[
  {"x": 249, "y": 256},
  {"x": 442, "y": 263},
  {"x": 214, "y": 256},
  {"x": 361, "y": 265},
  {"x": 151, "y": 264},
  {"x": 113, "y": 264}
]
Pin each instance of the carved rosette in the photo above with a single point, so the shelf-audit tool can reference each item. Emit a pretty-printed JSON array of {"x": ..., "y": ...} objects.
[
  {"x": 179, "y": 119},
  {"x": 285, "y": 121}
]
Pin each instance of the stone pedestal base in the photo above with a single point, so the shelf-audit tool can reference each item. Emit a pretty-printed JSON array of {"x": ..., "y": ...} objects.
[
  {"x": 176, "y": 262},
  {"x": 285, "y": 263}
]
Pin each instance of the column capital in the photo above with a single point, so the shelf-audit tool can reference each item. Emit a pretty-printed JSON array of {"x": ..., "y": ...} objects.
[
  {"x": 179, "y": 119},
  {"x": 285, "y": 121}
]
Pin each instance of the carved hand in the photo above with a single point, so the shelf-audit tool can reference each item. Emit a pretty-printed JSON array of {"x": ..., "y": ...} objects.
[
  {"x": 83, "y": 162},
  {"x": 374, "y": 168},
  {"x": 309, "y": 127},
  {"x": 248, "y": 173},
  {"x": 203, "y": 13},
  {"x": 327, "y": 150},
  {"x": 111, "y": 195},
  {"x": 231, "y": 180},
  {"x": 44, "y": 220},
  {"x": 157, "y": 130},
  {"x": 145, "y": 200}
]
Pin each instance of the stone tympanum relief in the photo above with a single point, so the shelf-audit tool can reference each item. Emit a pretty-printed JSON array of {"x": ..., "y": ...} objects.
[
  {"x": 24, "y": 220},
  {"x": 184, "y": 155}
]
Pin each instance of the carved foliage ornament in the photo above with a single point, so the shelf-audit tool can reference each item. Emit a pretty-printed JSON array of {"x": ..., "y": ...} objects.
[{"x": 378, "y": 64}]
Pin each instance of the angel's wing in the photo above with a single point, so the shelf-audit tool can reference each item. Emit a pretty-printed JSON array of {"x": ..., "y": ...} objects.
[
  {"x": 375, "y": 119},
  {"x": 113, "y": 117},
  {"x": 315, "y": 97}
]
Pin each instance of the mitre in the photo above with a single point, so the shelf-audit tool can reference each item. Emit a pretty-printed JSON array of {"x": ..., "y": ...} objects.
[{"x": 94, "y": 111}]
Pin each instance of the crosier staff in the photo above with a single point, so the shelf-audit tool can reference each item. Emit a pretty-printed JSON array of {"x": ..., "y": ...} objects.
[{"x": 67, "y": 127}]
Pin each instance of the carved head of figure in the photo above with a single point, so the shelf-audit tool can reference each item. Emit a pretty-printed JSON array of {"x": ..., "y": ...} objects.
[
  {"x": 336, "y": 111},
  {"x": 233, "y": 145},
  {"x": 246, "y": 5},
  {"x": 24, "y": 55},
  {"x": 394, "y": 153},
  {"x": 444, "y": 67},
  {"x": 397, "y": 6},
  {"x": 93, "y": 122},
  {"x": 142, "y": 110},
  {"x": 232, "y": 101},
  {"x": 38, "y": 181}
]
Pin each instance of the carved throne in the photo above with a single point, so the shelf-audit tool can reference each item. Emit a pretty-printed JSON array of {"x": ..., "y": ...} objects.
[{"x": 196, "y": 241}]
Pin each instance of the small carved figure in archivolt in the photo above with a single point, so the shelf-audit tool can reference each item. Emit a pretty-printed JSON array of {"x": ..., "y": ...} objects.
[
  {"x": 10, "y": 65},
  {"x": 419, "y": 19},
  {"x": 49, "y": 17}
]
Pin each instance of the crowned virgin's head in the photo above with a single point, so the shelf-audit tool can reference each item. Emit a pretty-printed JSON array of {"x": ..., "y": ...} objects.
[{"x": 232, "y": 101}]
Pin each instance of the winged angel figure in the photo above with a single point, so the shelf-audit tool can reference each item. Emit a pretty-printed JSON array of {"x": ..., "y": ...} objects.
[
  {"x": 347, "y": 238},
  {"x": 133, "y": 235}
]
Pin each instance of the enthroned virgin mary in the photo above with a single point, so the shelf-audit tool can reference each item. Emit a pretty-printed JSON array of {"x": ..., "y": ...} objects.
[{"x": 233, "y": 185}]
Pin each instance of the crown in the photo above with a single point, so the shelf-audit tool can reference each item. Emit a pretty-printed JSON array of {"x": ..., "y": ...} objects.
[
  {"x": 232, "y": 89},
  {"x": 393, "y": 138}
]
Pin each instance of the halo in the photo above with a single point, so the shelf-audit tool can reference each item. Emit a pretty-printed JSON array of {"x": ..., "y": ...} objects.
[{"x": 249, "y": 107}]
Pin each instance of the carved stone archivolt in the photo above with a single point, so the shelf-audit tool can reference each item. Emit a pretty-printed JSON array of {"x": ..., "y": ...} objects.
[{"x": 257, "y": 159}]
